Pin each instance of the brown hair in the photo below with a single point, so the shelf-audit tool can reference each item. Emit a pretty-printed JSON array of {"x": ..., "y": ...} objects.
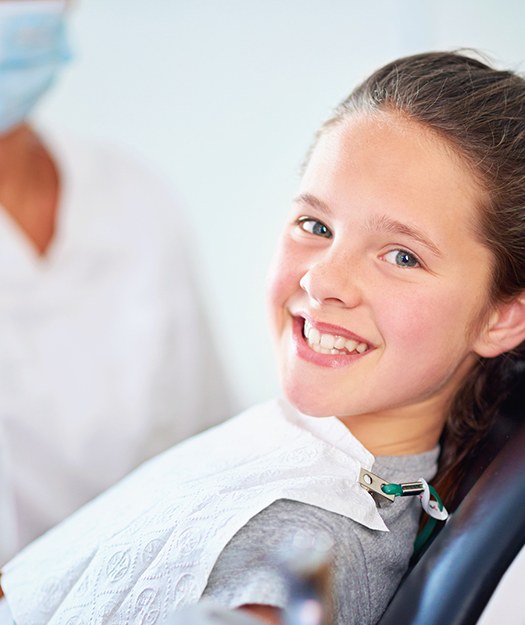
[{"x": 480, "y": 112}]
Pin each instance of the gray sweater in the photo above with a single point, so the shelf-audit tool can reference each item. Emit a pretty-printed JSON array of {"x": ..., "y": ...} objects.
[{"x": 368, "y": 564}]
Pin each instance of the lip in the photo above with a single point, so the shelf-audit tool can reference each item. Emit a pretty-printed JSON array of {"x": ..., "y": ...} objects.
[{"x": 333, "y": 361}]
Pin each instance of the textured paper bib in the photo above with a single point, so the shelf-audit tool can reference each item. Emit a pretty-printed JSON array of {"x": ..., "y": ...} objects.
[{"x": 148, "y": 545}]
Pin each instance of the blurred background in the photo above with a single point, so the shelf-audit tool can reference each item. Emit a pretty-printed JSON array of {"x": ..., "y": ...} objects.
[{"x": 222, "y": 98}]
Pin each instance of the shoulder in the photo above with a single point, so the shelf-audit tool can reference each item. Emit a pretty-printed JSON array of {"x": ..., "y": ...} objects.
[
  {"x": 112, "y": 177},
  {"x": 367, "y": 565},
  {"x": 70, "y": 149},
  {"x": 248, "y": 571}
]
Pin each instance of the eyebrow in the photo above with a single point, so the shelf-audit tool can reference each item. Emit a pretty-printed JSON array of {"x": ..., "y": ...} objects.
[
  {"x": 386, "y": 223},
  {"x": 375, "y": 223},
  {"x": 314, "y": 202}
]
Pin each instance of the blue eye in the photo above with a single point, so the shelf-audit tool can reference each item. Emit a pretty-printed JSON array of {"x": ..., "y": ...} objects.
[
  {"x": 315, "y": 227},
  {"x": 401, "y": 258}
]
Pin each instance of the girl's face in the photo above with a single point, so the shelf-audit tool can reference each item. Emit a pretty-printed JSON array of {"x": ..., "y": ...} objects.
[{"x": 380, "y": 284}]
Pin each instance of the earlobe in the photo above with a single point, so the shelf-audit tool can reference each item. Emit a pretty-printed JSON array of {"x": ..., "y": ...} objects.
[{"x": 504, "y": 330}]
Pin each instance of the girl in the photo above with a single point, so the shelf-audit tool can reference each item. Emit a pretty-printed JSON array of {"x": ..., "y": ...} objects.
[{"x": 397, "y": 295}]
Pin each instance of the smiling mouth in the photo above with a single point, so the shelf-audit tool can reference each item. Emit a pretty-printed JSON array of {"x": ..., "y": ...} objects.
[{"x": 325, "y": 343}]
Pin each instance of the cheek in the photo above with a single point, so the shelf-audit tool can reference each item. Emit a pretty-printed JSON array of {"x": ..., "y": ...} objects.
[
  {"x": 276, "y": 288},
  {"x": 428, "y": 322},
  {"x": 423, "y": 348},
  {"x": 282, "y": 282}
]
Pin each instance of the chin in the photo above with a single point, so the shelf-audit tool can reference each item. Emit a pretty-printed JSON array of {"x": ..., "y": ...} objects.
[{"x": 310, "y": 402}]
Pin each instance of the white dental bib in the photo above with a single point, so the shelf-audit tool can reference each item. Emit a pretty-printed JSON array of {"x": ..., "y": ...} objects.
[{"x": 148, "y": 544}]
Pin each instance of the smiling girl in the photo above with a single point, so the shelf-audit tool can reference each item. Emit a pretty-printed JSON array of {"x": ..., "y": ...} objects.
[
  {"x": 374, "y": 318},
  {"x": 397, "y": 304}
]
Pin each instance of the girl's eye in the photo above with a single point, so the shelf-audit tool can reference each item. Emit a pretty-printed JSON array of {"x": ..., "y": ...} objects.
[
  {"x": 311, "y": 225},
  {"x": 401, "y": 258}
]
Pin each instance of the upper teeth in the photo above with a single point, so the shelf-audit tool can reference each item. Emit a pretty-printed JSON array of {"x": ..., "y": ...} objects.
[{"x": 331, "y": 343}]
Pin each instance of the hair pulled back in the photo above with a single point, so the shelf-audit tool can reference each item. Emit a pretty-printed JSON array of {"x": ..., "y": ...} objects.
[{"x": 480, "y": 112}]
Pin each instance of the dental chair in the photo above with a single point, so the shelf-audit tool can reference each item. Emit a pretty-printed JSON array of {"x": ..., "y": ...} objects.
[{"x": 453, "y": 580}]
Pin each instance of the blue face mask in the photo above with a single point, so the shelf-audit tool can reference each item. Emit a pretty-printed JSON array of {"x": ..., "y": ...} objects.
[{"x": 33, "y": 47}]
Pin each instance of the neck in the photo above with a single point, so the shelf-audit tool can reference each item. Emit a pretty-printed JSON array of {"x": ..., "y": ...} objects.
[
  {"x": 29, "y": 185},
  {"x": 16, "y": 148},
  {"x": 403, "y": 431}
]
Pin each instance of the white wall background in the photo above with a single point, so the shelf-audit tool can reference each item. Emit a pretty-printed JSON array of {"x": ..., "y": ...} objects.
[{"x": 222, "y": 97}]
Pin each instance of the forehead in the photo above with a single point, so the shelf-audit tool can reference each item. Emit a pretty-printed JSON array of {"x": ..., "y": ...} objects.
[{"x": 390, "y": 162}]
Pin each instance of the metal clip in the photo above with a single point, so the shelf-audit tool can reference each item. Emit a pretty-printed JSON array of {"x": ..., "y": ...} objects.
[
  {"x": 411, "y": 488},
  {"x": 372, "y": 483}
]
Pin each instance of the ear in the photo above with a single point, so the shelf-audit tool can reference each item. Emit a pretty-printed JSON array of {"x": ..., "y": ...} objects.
[{"x": 504, "y": 330}]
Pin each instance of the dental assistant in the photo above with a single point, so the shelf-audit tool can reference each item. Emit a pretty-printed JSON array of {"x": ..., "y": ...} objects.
[{"x": 106, "y": 354}]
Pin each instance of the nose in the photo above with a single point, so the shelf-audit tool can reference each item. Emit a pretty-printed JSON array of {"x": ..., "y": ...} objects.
[{"x": 332, "y": 282}]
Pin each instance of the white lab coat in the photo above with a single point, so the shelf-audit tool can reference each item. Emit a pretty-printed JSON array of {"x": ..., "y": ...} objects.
[{"x": 105, "y": 355}]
